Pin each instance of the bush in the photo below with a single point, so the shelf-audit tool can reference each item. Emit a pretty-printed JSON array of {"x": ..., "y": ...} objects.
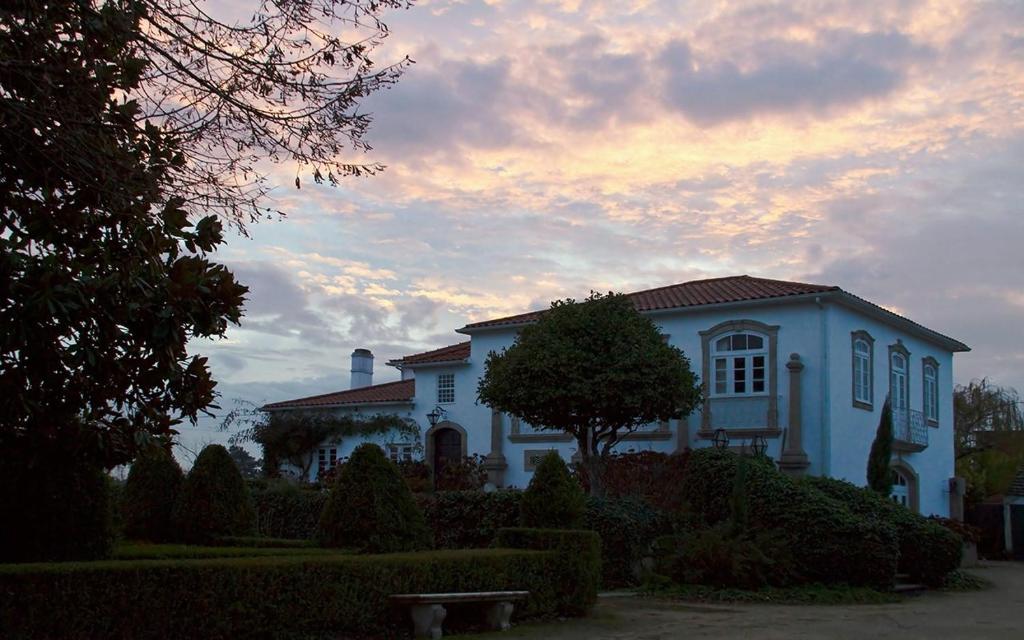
[
  {"x": 150, "y": 494},
  {"x": 461, "y": 475},
  {"x": 54, "y": 506},
  {"x": 650, "y": 476},
  {"x": 627, "y": 528},
  {"x": 829, "y": 543},
  {"x": 285, "y": 510},
  {"x": 469, "y": 519},
  {"x": 574, "y": 572},
  {"x": 370, "y": 507},
  {"x": 928, "y": 550},
  {"x": 553, "y": 499},
  {"x": 325, "y": 596},
  {"x": 214, "y": 499},
  {"x": 721, "y": 557}
]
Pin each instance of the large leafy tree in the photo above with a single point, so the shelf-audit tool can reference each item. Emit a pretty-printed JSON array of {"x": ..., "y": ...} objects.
[
  {"x": 596, "y": 369},
  {"x": 104, "y": 275},
  {"x": 982, "y": 411}
]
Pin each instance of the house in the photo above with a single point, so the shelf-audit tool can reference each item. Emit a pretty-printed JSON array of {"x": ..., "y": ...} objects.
[
  {"x": 1013, "y": 518},
  {"x": 804, "y": 368}
]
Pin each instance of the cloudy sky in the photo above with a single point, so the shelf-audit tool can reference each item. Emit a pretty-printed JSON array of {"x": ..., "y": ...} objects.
[{"x": 537, "y": 150}]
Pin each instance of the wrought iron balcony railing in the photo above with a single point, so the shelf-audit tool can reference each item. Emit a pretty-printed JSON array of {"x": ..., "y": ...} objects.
[{"x": 909, "y": 428}]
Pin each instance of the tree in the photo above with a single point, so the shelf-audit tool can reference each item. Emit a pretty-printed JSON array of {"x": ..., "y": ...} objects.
[
  {"x": 984, "y": 408},
  {"x": 149, "y": 496},
  {"x": 104, "y": 276},
  {"x": 597, "y": 370},
  {"x": 281, "y": 87},
  {"x": 879, "y": 459},
  {"x": 247, "y": 465},
  {"x": 215, "y": 500},
  {"x": 553, "y": 499}
]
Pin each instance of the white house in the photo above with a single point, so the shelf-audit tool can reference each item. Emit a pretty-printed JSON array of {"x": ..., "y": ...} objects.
[{"x": 803, "y": 367}]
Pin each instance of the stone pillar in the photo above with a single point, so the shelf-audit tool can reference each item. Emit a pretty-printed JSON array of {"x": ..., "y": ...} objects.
[
  {"x": 794, "y": 459},
  {"x": 495, "y": 463}
]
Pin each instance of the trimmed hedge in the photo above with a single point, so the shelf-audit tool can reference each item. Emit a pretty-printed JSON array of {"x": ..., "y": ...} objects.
[
  {"x": 469, "y": 519},
  {"x": 627, "y": 528},
  {"x": 214, "y": 499},
  {"x": 830, "y": 544},
  {"x": 928, "y": 550},
  {"x": 150, "y": 493},
  {"x": 284, "y": 510},
  {"x": 286, "y": 596},
  {"x": 553, "y": 499},
  {"x": 370, "y": 507},
  {"x": 574, "y": 573}
]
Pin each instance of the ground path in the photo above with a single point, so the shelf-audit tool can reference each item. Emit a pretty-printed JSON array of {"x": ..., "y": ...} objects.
[{"x": 995, "y": 613}]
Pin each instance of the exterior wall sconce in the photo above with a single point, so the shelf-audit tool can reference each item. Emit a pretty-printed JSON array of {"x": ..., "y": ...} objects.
[
  {"x": 434, "y": 416},
  {"x": 721, "y": 439},
  {"x": 760, "y": 445}
]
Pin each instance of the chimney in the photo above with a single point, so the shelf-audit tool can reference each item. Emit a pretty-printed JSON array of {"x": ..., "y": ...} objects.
[{"x": 362, "y": 368}]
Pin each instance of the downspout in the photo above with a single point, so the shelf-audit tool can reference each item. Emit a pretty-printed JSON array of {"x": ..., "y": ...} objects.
[{"x": 826, "y": 400}]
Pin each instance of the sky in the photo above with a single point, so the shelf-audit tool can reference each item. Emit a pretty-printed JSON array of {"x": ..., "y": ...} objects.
[{"x": 540, "y": 149}]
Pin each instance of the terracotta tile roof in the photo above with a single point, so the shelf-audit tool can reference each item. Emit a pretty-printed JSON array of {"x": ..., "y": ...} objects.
[
  {"x": 692, "y": 294},
  {"x": 453, "y": 353},
  {"x": 401, "y": 391}
]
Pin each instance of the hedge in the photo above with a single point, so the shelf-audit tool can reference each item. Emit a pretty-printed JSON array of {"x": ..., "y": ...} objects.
[
  {"x": 553, "y": 499},
  {"x": 286, "y": 597},
  {"x": 469, "y": 519},
  {"x": 928, "y": 550},
  {"x": 830, "y": 544},
  {"x": 627, "y": 528},
  {"x": 574, "y": 572},
  {"x": 147, "y": 502},
  {"x": 214, "y": 499},
  {"x": 284, "y": 510}
]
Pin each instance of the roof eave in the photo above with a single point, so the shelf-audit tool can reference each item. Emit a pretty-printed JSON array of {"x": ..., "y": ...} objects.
[
  {"x": 337, "y": 405},
  {"x": 896, "y": 320}
]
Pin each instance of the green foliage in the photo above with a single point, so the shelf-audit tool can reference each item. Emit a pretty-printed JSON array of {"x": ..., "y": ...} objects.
[
  {"x": 370, "y": 507},
  {"x": 879, "y": 470},
  {"x": 180, "y": 551},
  {"x": 829, "y": 543},
  {"x": 648, "y": 476},
  {"x": 461, "y": 475},
  {"x": 248, "y": 466},
  {"x": 988, "y": 472},
  {"x": 291, "y": 597},
  {"x": 810, "y": 594},
  {"x": 214, "y": 499},
  {"x": 721, "y": 557},
  {"x": 983, "y": 415},
  {"x": 105, "y": 277},
  {"x": 928, "y": 550},
  {"x": 286, "y": 510},
  {"x": 627, "y": 528},
  {"x": 573, "y": 573},
  {"x": 553, "y": 499},
  {"x": 469, "y": 519},
  {"x": 150, "y": 494},
  {"x": 596, "y": 369},
  {"x": 53, "y": 508}
]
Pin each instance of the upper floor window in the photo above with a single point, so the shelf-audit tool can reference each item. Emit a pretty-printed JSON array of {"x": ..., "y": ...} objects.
[
  {"x": 931, "y": 391},
  {"x": 899, "y": 390},
  {"x": 863, "y": 365},
  {"x": 739, "y": 365},
  {"x": 446, "y": 388}
]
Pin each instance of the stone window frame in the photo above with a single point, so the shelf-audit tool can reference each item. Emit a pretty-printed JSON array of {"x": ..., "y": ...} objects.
[
  {"x": 771, "y": 332},
  {"x": 926, "y": 362},
  {"x": 856, "y": 336},
  {"x": 900, "y": 348}
]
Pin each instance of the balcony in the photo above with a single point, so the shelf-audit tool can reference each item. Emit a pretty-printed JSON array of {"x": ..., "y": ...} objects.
[{"x": 909, "y": 431}]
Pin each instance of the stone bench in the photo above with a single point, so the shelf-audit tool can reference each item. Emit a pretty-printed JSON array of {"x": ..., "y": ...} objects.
[{"x": 428, "y": 612}]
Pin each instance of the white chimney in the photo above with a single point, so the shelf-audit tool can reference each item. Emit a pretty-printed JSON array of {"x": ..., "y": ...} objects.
[{"x": 362, "y": 368}]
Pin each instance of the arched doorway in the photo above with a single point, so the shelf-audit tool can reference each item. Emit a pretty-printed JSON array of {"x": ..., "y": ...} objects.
[
  {"x": 904, "y": 486},
  {"x": 447, "y": 448}
]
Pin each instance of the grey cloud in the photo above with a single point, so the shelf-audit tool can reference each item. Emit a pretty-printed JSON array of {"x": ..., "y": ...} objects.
[{"x": 846, "y": 70}]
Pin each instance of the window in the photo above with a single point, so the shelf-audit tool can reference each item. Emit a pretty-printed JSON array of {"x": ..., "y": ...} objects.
[
  {"x": 898, "y": 388},
  {"x": 327, "y": 459},
  {"x": 931, "y": 391},
  {"x": 401, "y": 452},
  {"x": 863, "y": 366},
  {"x": 446, "y": 388},
  {"x": 739, "y": 363}
]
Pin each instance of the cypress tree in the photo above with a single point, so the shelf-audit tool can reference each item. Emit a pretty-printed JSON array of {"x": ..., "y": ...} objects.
[
  {"x": 553, "y": 499},
  {"x": 214, "y": 499},
  {"x": 879, "y": 472},
  {"x": 150, "y": 493}
]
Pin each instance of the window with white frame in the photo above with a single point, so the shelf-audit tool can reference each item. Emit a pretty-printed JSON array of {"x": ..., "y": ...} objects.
[
  {"x": 401, "y": 452},
  {"x": 863, "y": 366},
  {"x": 898, "y": 381},
  {"x": 446, "y": 388},
  {"x": 327, "y": 459},
  {"x": 931, "y": 391},
  {"x": 739, "y": 365}
]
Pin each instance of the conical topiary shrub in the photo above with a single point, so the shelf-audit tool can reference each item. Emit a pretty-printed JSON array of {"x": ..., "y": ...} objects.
[
  {"x": 214, "y": 500},
  {"x": 150, "y": 494},
  {"x": 370, "y": 508},
  {"x": 554, "y": 499}
]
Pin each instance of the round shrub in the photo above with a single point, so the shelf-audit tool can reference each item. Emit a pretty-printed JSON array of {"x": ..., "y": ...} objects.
[
  {"x": 370, "y": 507},
  {"x": 553, "y": 499},
  {"x": 214, "y": 499},
  {"x": 150, "y": 494},
  {"x": 54, "y": 506}
]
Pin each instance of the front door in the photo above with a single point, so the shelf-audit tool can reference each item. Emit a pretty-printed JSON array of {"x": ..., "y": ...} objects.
[{"x": 447, "y": 448}]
